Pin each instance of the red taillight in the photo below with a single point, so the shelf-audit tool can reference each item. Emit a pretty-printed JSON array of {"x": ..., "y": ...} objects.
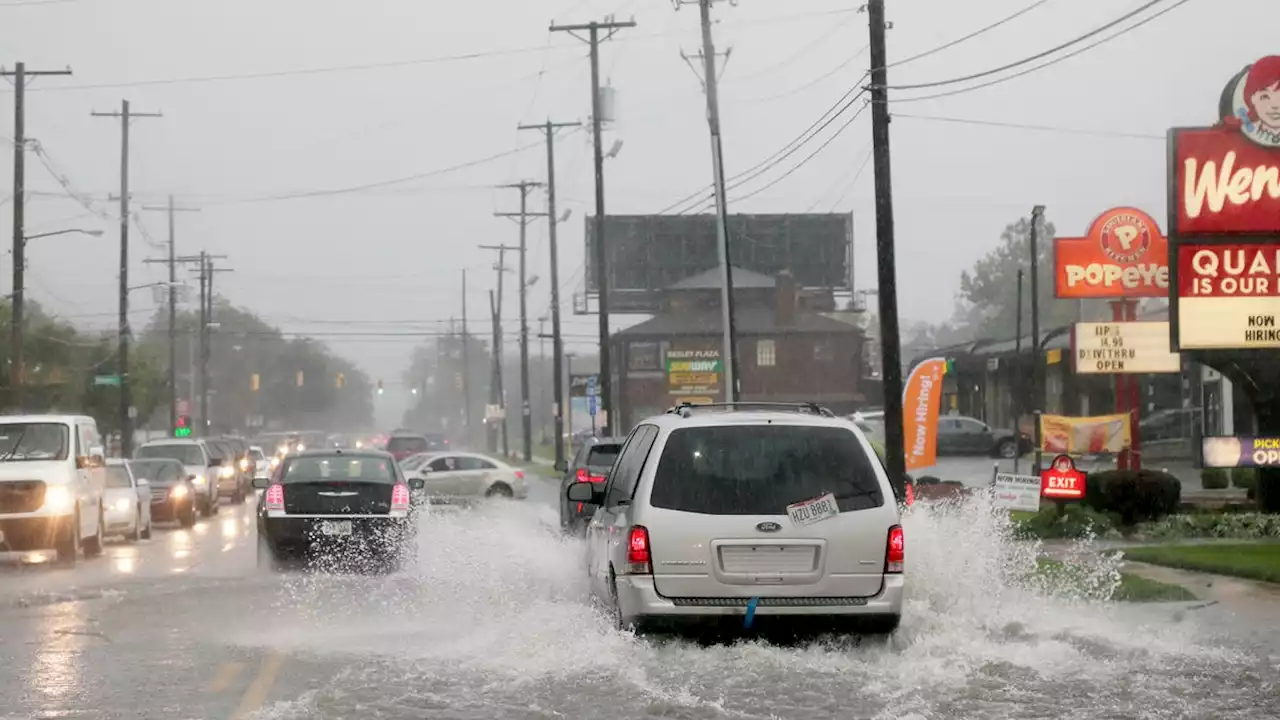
[
  {"x": 639, "y": 560},
  {"x": 911, "y": 494},
  {"x": 275, "y": 497},
  {"x": 579, "y": 507},
  {"x": 519, "y": 474},
  {"x": 400, "y": 497},
  {"x": 582, "y": 475},
  {"x": 895, "y": 555},
  {"x": 597, "y": 478}
]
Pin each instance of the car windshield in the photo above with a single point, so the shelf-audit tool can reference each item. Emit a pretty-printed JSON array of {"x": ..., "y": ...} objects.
[
  {"x": 185, "y": 453},
  {"x": 602, "y": 456},
  {"x": 338, "y": 468},
  {"x": 408, "y": 443},
  {"x": 33, "y": 441},
  {"x": 761, "y": 469},
  {"x": 118, "y": 477}
]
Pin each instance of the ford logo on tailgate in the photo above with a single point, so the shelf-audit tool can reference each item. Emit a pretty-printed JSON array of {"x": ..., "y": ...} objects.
[{"x": 768, "y": 527}]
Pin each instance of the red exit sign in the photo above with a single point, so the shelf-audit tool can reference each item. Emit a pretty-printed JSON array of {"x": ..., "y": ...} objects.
[{"x": 1062, "y": 481}]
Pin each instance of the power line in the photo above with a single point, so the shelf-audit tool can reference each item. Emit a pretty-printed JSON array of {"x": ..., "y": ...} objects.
[
  {"x": 970, "y": 36},
  {"x": 1050, "y": 63},
  {"x": 1042, "y": 128},
  {"x": 1032, "y": 58},
  {"x": 852, "y": 185}
]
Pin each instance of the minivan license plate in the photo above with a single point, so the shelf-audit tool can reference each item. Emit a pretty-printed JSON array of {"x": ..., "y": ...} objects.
[
  {"x": 335, "y": 527},
  {"x": 815, "y": 510}
]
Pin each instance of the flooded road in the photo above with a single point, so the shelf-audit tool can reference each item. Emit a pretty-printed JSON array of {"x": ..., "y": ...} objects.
[{"x": 492, "y": 621}]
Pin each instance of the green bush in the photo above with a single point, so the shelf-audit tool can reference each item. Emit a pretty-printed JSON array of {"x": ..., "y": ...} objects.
[
  {"x": 1077, "y": 521},
  {"x": 1133, "y": 496},
  {"x": 1214, "y": 479},
  {"x": 1235, "y": 526},
  {"x": 1246, "y": 478}
]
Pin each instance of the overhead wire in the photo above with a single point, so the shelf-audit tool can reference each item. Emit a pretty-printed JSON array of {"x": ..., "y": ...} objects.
[
  {"x": 1024, "y": 126},
  {"x": 970, "y": 36}
]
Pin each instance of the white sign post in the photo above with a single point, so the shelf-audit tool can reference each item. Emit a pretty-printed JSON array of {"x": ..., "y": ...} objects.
[
  {"x": 1017, "y": 492},
  {"x": 1124, "y": 348}
]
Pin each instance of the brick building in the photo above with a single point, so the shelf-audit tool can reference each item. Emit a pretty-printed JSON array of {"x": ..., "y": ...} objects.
[{"x": 788, "y": 351}]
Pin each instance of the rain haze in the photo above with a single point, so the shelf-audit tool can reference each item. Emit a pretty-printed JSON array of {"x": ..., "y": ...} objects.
[{"x": 350, "y": 166}]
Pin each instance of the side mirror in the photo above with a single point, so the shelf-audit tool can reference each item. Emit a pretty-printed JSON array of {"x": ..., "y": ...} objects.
[
  {"x": 417, "y": 483},
  {"x": 585, "y": 492},
  {"x": 261, "y": 483}
]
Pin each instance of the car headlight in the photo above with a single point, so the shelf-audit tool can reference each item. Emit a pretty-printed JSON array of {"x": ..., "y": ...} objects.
[
  {"x": 244, "y": 465},
  {"x": 226, "y": 471},
  {"x": 122, "y": 505},
  {"x": 179, "y": 491},
  {"x": 274, "y": 462},
  {"x": 59, "y": 499},
  {"x": 301, "y": 447},
  {"x": 199, "y": 480}
]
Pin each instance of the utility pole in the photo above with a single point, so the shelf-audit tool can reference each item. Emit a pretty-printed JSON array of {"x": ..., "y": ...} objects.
[
  {"x": 526, "y": 430},
  {"x": 890, "y": 342},
  {"x": 495, "y": 310},
  {"x": 495, "y": 380},
  {"x": 126, "y": 399},
  {"x": 593, "y": 39},
  {"x": 172, "y": 261},
  {"x": 557, "y": 342},
  {"x": 17, "y": 375},
  {"x": 205, "y": 274},
  {"x": 466, "y": 361},
  {"x": 710, "y": 84},
  {"x": 1037, "y": 347}
]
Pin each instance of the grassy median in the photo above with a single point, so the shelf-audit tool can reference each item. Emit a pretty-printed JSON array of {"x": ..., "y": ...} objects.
[
  {"x": 1253, "y": 561},
  {"x": 1132, "y": 587}
]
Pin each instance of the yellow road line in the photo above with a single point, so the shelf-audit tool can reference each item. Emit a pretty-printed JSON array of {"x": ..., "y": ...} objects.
[
  {"x": 226, "y": 675},
  {"x": 256, "y": 694}
]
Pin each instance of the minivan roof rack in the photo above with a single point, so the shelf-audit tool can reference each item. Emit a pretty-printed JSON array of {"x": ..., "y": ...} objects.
[{"x": 686, "y": 409}]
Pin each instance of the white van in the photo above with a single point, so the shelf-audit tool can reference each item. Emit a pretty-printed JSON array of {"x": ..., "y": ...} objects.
[{"x": 52, "y": 481}]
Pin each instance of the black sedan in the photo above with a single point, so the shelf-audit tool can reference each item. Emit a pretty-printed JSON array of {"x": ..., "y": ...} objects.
[
  {"x": 173, "y": 497},
  {"x": 334, "y": 506}
]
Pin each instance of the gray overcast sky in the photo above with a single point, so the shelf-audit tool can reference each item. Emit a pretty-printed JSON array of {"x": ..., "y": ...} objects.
[{"x": 394, "y": 253}]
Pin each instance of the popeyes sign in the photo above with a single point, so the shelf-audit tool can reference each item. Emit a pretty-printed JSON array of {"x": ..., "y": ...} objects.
[
  {"x": 1226, "y": 179},
  {"x": 1123, "y": 255}
]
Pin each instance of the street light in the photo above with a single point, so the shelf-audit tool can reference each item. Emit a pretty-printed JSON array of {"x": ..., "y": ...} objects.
[{"x": 94, "y": 233}]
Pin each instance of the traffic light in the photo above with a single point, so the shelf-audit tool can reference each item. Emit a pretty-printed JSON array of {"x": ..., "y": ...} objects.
[
  {"x": 340, "y": 380},
  {"x": 255, "y": 382},
  {"x": 379, "y": 387},
  {"x": 183, "y": 428}
]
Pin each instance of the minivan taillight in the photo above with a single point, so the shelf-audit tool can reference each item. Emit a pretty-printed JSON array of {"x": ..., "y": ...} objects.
[
  {"x": 274, "y": 499},
  {"x": 895, "y": 555},
  {"x": 399, "y": 497},
  {"x": 639, "y": 560}
]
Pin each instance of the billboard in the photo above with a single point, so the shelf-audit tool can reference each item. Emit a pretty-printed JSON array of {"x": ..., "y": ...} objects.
[
  {"x": 1224, "y": 219},
  {"x": 646, "y": 253},
  {"x": 1123, "y": 348},
  {"x": 1244, "y": 451},
  {"x": 693, "y": 374},
  {"x": 1122, "y": 256}
]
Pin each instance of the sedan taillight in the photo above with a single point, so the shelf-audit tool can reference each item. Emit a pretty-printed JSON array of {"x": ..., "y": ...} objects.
[
  {"x": 274, "y": 499},
  {"x": 399, "y": 497}
]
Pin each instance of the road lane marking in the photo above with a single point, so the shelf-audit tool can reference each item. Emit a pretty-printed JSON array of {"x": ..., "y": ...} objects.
[
  {"x": 257, "y": 692},
  {"x": 226, "y": 675}
]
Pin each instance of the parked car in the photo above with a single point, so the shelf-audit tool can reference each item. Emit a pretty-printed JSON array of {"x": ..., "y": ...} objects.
[
  {"x": 959, "y": 435},
  {"x": 128, "y": 502},
  {"x": 52, "y": 483},
  {"x": 172, "y": 496},
  {"x": 202, "y": 467},
  {"x": 467, "y": 477},
  {"x": 352, "y": 506},
  {"x": 722, "y": 513},
  {"x": 590, "y": 464}
]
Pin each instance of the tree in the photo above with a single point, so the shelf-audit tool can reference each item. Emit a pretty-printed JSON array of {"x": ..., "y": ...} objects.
[{"x": 989, "y": 291}]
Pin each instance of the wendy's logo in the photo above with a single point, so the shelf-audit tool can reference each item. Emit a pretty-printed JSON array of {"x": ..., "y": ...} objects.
[{"x": 1251, "y": 102}]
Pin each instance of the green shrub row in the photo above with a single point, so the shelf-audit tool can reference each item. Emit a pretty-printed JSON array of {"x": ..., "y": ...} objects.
[
  {"x": 1236, "y": 526},
  {"x": 1133, "y": 495},
  {"x": 1220, "y": 479}
]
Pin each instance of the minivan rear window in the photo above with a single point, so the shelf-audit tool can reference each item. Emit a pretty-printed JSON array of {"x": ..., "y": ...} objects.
[{"x": 761, "y": 469}]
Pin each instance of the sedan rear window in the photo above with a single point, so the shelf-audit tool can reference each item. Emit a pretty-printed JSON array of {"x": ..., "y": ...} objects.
[
  {"x": 761, "y": 469},
  {"x": 185, "y": 453},
  {"x": 602, "y": 456},
  {"x": 408, "y": 444},
  {"x": 338, "y": 468}
]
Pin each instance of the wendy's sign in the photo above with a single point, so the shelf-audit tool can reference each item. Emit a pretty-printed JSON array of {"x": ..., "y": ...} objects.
[{"x": 1225, "y": 180}]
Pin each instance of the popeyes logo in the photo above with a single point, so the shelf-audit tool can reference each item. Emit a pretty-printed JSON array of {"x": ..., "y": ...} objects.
[
  {"x": 1227, "y": 178},
  {"x": 1123, "y": 255}
]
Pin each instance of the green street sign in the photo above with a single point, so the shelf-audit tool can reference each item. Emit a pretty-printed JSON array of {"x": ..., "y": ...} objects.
[{"x": 106, "y": 380}]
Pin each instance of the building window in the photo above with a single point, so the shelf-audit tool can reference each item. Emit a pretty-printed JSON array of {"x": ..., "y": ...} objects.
[
  {"x": 644, "y": 356},
  {"x": 766, "y": 353},
  {"x": 822, "y": 351}
]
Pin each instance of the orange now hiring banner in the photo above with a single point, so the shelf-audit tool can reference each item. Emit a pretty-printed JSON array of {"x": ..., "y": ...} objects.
[
  {"x": 921, "y": 404},
  {"x": 1084, "y": 435}
]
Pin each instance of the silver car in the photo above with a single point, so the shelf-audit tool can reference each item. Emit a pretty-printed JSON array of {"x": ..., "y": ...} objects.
[
  {"x": 463, "y": 478},
  {"x": 728, "y": 514}
]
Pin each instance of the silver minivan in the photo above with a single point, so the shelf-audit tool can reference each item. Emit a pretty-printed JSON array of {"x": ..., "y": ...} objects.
[{"x": 728, "y": 514}]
